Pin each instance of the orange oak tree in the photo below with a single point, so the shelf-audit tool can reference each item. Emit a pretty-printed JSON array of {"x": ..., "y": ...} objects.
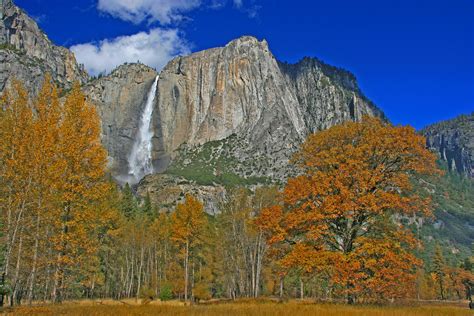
[{"x": 342, "y": 213}]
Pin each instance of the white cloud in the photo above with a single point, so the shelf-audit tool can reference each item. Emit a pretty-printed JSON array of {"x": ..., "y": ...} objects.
[
  {"x": 154, "y": 48},
  {"x": 238, "y": 3},
  {"x": 217, "y": 4},
  {"x": 137, "y": 11}
]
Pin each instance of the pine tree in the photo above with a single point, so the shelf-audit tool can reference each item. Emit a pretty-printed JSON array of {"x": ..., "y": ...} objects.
[
  {"x": 439, "y": 268},
  {"x": 147, "y": 207},
  {"x": 128, "y": 204}
]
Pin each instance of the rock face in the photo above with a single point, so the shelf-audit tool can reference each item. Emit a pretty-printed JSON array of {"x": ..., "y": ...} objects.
[
  {"x": 241, "y": 89},
  {"x": 27, "y": 54},
  {"x": 167, "y": 190},
  {"x": 119, "y": 98},
  {"x": 327, "y": 95},
  {"x": 454, "y": 141}
]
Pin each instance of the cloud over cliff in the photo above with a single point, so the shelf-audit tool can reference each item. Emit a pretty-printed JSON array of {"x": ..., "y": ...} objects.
[{"x": 154, "y": 48}]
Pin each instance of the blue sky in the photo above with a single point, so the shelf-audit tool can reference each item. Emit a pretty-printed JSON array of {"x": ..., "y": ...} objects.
[{"x": 413, "y": 58}]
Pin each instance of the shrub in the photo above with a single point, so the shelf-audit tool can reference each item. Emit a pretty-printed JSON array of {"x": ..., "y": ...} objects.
[
  {"x": 165, "y": 292},
  {"x": 147, "y": 294}
]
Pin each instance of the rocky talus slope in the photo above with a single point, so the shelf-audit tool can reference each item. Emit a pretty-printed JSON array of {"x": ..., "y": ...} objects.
[
  {"x": 27, "y": 54},
  {"x": 454, "y": 141}
]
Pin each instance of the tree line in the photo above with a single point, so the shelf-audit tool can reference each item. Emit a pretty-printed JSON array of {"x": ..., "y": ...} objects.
[{"x": 335, "y": 232}]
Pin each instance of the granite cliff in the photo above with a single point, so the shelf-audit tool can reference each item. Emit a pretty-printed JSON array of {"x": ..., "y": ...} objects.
[
  {"x": 27, "y": 54},
  {"x": 224, "y": 116},
  {"x": 454, "y": 141},
  {"x": 119, "y": 98},
  {"x": 243, "y": 90}
]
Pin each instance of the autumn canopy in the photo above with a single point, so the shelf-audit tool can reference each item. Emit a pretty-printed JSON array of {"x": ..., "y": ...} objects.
[{"x": 340, "y": 216}]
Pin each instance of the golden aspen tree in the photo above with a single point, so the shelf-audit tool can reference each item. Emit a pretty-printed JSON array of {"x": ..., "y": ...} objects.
[
  {"x": 83, "y": 188},
  {"x": 460, "y": 282},
  {"x": 339, "y": 213},
  {"x": 16, "y": 178},
  {"x": 160, "y": 230},
  {"x": 189, "y": 223},
  {"x": 47, "y": 165}
]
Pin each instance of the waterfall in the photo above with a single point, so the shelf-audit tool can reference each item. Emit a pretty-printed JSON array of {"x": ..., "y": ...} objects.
[{"x": 140, "y": 161}]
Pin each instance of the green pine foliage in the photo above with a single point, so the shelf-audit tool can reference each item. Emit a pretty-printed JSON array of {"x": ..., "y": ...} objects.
[
  {"x": 166, "y": 293},
  {"x": 439, "y": 264},
  {"x": 129, "y": 203}
]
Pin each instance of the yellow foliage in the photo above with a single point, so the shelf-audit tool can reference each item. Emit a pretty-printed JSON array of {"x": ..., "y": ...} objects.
[{"x": 52, "y": 178}]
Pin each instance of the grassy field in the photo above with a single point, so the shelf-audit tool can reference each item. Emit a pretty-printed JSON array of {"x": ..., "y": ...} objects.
[{"x": 292, "y": 308}]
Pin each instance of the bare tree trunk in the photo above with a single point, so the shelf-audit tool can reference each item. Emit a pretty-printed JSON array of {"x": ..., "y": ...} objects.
[
  {"x": 157, "y": 276},
  {"x": 12, "y": 235},
  {"x": 140, "y": 272},
  {"x": 48, "y": 272},
  {"x": 192, "y": 281},
  {"x": 55, "y": 295},
  {"x": 35, "y": 256},
  {"x": 301, "y": 289},
  {"x": 129, "y": 291},
  {"x": 17, "y": 270},
  {"x": 253, "y": 255},
  {"x": 441, "y": 289},
  {"x": 186, "y": 262},
  {"x": 281, "y": 287},
  {"x": 125, "y": 280},
  {"x": 261, "y": 251}
]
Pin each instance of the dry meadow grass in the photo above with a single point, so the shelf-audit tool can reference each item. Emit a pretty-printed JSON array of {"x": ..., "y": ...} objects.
[{"x": 292, "y": 308}]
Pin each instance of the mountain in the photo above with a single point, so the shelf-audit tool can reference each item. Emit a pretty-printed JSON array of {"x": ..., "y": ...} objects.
[
  {"x": 238, "y": 96},
  {"x": 27, "y": 54},
  {"x": 452, "y": 225},
  {"x": 242, "y": 90},
  {"x": 454, "y": 141}
]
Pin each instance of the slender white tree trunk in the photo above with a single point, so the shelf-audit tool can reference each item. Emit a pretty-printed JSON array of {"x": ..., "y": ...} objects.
[{"x": 186, "y": 263}]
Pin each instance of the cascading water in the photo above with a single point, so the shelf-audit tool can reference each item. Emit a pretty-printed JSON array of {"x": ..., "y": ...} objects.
[{"x": 140, "y": 161}]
